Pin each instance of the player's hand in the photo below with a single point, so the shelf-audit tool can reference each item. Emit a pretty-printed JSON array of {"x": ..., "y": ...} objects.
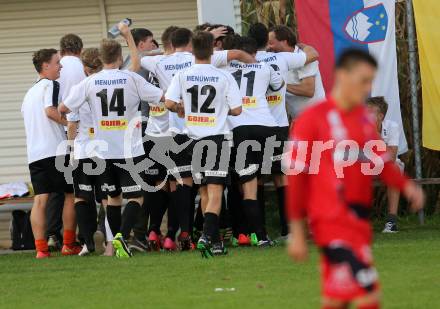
[
  {"x": 124, "y": 29},
  {"x": 415, "y": 196},
  {"x": 219, "y": 32},
  {"x": 180, "y": 110},
  {"x": 298, "y": 250}
]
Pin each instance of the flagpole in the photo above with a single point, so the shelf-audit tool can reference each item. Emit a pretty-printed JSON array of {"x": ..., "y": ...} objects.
[{"x": 414, "y": 93}]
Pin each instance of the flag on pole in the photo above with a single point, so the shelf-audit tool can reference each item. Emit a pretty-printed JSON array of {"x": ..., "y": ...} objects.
[
  {"x": 334, "y": 25},
  {"x": 427, "y": 17}
]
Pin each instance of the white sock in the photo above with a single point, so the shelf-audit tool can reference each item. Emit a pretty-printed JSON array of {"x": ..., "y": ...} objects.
[{"x": 108, "y": 231}]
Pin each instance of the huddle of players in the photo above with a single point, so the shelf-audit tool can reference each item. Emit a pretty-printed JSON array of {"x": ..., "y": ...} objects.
[{"x": 208, "y": 95}]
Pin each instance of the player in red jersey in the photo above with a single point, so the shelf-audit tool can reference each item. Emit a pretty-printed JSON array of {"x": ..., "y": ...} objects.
[{"x": 335, "y": 155}]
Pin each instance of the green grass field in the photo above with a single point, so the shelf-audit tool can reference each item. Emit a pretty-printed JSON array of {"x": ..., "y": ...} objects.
[{"x": 408, "y": 263}]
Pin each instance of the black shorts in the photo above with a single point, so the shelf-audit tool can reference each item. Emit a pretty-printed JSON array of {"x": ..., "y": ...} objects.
[
  {"x": 118, "y": 179},
  {"x": 157, "y": 149},
  {"x": 282, "y": 135},
  {"x": 46, "y": 178},
  {"x": 88, "y": 179},
  {"x": 211, "y": 157},
  {"x": 248, "y": 164},
  {"x": 181, "y": 155}
]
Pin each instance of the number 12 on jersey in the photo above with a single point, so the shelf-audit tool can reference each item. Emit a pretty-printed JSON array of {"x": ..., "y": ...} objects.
[{"x": 208, "y": 90}]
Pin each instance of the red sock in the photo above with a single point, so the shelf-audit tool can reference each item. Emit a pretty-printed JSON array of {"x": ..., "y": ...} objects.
[
  {"x": 69, "y": 237},
  {"x": 369, "y": 306},
  {"x": 41, "y": 245}
]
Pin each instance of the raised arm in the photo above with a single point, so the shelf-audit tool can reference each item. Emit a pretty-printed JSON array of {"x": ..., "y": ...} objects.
[
  {"x": 311, "y": 53},
  {"x": 134, "y": 56},
  {"x": 239, "y": 55}
]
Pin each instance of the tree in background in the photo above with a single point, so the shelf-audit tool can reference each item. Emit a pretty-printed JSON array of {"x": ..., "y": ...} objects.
[{"x": 275, "y": 12}]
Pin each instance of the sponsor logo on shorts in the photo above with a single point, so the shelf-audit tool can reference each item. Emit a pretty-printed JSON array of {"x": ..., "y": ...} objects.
[
  {"x": 249, "y": 102},
  {"x": 216, "y": 173},
  {"x": 85, "y": 187},
  {"x": 204, "y": 121},
  {"x": 279, "y": 157},
  {"x": 274, "y": 99},
  {"x": 106, "y": 187},
  {"x": 156, "y": 111},
  {"x": 110, "y": 125},
  {"x": 179, "y": 169},
  {"x": 249, "y": 170},
  {"x": 153, "y": 172},
  {"x": 131, "y": 188}
]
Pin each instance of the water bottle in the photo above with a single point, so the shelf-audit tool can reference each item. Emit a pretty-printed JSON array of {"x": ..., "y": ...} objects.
[{"x": 114, "y": 31}]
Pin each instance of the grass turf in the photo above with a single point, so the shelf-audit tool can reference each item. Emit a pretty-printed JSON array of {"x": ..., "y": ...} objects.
[{"x": 408, "y": 264}]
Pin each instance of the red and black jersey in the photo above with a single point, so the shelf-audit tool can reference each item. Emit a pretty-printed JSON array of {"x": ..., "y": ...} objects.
[{"x": 321, "y": 187}]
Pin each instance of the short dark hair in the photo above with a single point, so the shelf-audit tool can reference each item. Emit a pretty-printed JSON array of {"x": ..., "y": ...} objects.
[
  {"x": 380, "y": 103},
  {"x": 166, "y": 35},
  {"x": 260, "y": 34},
  {"x": 203, "y": 27},
  {"x": 284, "y": 33},
  {"x": 140, "y": 34},
  {"x": 109, "y": 51},
  {"x": 41, "y": 56},
  {"x": 71, "y": 43},
  {"x": 203, "y": 45},
  {"x": 248, "y": 45},
  {"x": 231, "y": 41},
  {"x": 181, "y": 37},
  {"x": 353, "y": 56}
]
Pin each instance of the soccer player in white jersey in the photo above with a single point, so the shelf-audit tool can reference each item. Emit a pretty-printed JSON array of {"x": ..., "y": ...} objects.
[
  {"x": 157, "y": 142},
  {"x": 44, "y": 139},
  {"x": 88, "y": 188},
  {"x": 165, "y": 68},
  {"x": 390, "y": 133},
  {"x": 114, "y": 97},
  {"x": 282, "y": 62},
  {"x": 209, "y": 95},
  {"x": 304, "y": 86},
  {"x": 256, "y": 124}
]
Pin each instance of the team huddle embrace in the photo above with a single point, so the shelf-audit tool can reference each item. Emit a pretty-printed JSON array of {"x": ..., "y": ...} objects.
[{"x": 207, "y": 118}]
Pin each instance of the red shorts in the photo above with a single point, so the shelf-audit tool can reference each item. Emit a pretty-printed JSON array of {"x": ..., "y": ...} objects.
[{"x": 347, "y": 270}]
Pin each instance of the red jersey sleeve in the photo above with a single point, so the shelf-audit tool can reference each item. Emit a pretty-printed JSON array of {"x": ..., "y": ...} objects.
[{"x": 302, "y": 137}]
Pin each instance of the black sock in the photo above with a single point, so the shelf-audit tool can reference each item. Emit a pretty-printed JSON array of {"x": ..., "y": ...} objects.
[
  {"x": 183, "y": 196},
  {"x": 173, "y": 223},
  {"x": 235, "y": 207},
  {"x": 223, "y": 224},
  {"x": 158, "y": 200},
  {"x": 114, "y": 218},
  {"x": 262, "y": 205},
  {"x": 392, "y": 218},
  {"x": 129, "y": 217},
  {"x": 101, "y": 219},
  {"x": 140, "y": 227},
  {"x": 93, "y": 216},
  {"x": 211, "y": 228},
  {"x": 282, "y": 211},
  {"x": 253, "y": 216},
  {"x": 82, "y": 218},
  {"x": 192, "y": 208},
  {"x": 198, "y": 221}
]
